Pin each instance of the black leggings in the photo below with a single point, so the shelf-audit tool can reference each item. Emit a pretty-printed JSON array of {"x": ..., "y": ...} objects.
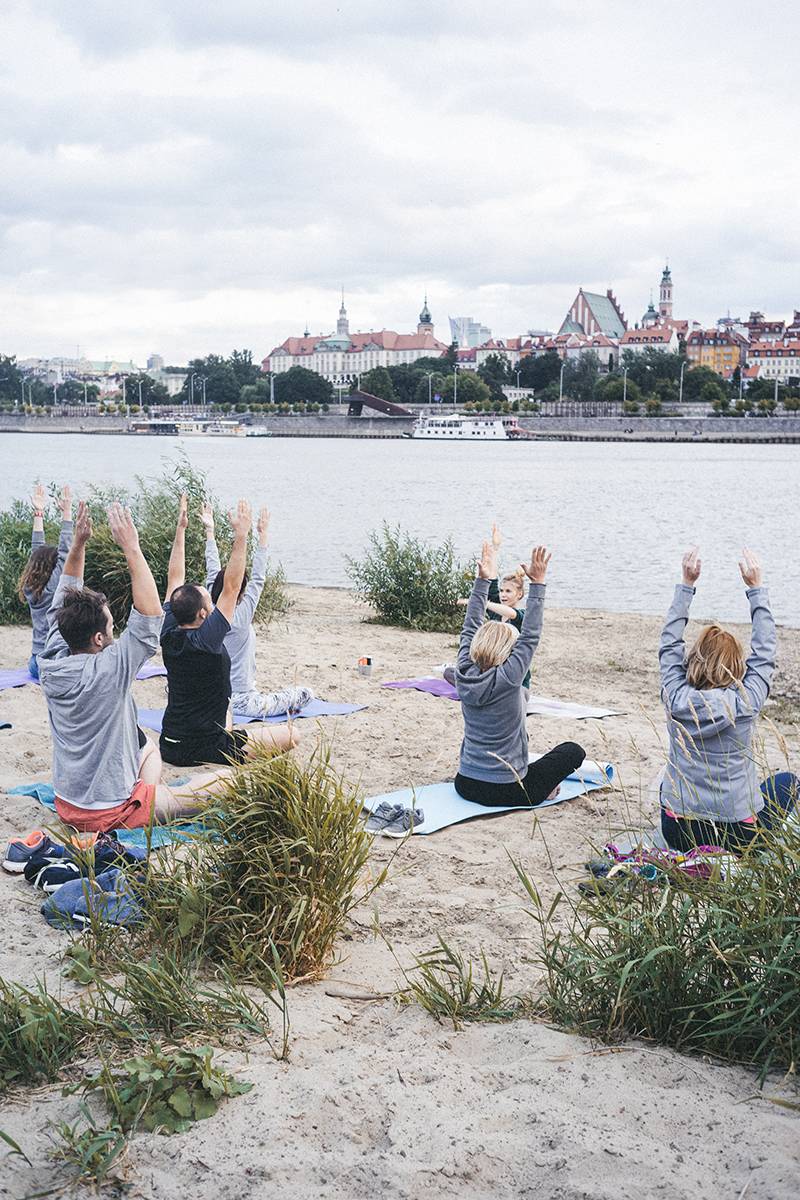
[{"x": 543, "y": 776}]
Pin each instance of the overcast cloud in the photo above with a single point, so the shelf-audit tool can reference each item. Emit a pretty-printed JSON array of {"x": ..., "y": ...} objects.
[{"x": 190, "y": 177}]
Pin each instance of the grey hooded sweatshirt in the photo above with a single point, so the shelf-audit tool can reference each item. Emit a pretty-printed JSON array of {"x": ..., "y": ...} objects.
[
  {"x": 495, "y": 745},
  {"x": 41, "y": 607},
  {"x": 710, "y": 769},
  {"x": 92, "y": 712}
]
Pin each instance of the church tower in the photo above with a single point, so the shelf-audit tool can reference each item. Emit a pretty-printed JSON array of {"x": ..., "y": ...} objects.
[
  {"x": 425, "y": 324},
  {"x": 343, "y": 325},
  {"x": 665, "y": 296}
]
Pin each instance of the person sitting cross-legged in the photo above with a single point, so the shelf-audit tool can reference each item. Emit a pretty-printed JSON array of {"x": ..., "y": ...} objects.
[
  {"x": 106, "y": 773},
  {"x": 240, "y": 643},
  {"x": 195, "y": 728}
]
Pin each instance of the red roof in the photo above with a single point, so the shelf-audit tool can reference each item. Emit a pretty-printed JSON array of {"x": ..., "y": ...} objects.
[{"x": 646, "y": 337}]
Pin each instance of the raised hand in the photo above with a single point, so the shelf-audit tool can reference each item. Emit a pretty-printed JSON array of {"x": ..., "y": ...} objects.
[
  {"x": 241, "y": 519},
  {"x": 65, "y": 503},
  {"x": 487, "y": 564},
  {"x": 497, "y": 537},
  {"x": 83, "y": 525},
  {"x": 263, "y": 525},
  {"x": 39, "y": 500},
  {"x": 123, "y": 530},
  {"x": 750, "y": 567},
  {"x": 207, "y": 518},
  {"x": 691, "y": 565},
  {"x": 536, "y": 569},
  {"x": 183, "y": 511}
]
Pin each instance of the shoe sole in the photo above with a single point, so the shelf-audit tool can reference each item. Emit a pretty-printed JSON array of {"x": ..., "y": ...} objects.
[{"x": 14, "y": 868}]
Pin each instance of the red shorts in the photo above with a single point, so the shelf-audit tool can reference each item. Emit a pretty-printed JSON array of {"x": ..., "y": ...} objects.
[{"x": 134, "y": 813}]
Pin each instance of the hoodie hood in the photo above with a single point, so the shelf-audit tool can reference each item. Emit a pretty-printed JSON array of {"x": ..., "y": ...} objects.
[
  {"x": 66, "y": 678},
  {"x": 481, "y": 687}
]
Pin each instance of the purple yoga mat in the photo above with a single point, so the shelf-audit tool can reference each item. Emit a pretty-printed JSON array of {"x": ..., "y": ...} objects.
[
  {"x": 150, "y": 670},
  {"x": 15, "y": 677},
  {"x": 436, "y": 687}
]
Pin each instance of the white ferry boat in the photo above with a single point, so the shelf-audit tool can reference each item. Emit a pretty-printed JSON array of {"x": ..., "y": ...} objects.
[
  {"x": 459, "y": 427},
  {"x": 188, "y": 427}
]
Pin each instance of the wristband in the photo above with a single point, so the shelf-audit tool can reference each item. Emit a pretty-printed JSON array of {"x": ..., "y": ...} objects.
[{"x": 38, "y": 513}]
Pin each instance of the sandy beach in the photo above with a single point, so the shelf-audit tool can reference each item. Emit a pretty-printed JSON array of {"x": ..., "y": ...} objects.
[{"x": 379, "y": 1099}]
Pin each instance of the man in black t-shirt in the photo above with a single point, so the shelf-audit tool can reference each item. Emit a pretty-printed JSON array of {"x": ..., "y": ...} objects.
[{"x": 195, "y": 726}]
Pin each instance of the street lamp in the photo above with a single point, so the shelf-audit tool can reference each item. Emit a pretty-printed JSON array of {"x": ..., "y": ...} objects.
[
  {"x": 518, "y": 373},
  {"x": 680, "y": 388},
  {"x": 204, "y": 381},
  {"x": 429, "y": 375},
  {"x": 561, "y": 382},
  {"x": 624, "y": 387},
  {"x": 455, "y": 386}
]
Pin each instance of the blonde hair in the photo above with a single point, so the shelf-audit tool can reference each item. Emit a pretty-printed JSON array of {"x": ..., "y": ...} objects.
[
  {"x": 515, "y": 577},
  {"x": 492, "y": 644},
  {"x": 716, "y": 660}
]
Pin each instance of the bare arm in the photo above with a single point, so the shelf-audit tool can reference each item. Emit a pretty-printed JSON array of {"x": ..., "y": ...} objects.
[
  {"x": 76, "y": 559},
  {"x": 501, "y": 610},
  {"x": 38, "y": 502},
  {"x": 176, "y": 572},
  {"x": 146, "y": 599},
  {"x": 241, "y": 520}
]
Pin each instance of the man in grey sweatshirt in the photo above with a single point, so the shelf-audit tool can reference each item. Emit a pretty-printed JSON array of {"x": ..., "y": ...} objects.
[
  {"x": 494, "y": 768},
  {"x": 105, "y": 773}
]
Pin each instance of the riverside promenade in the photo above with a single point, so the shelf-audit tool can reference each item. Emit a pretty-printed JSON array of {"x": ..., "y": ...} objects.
[{"x": 561, "y": 428}]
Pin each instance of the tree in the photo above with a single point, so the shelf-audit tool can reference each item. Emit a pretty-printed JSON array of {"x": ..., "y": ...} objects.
[
  {"x": 405, "y": 381},
  {"x": 152, "y": 392},
  {"x": 378, "y": 382},
  {"x": 695, "y": 380},
  {"x": 10, "y": 381},
  {"x": 471, "y": 389},
  {"x": 72, "y": 391},
  {"x": 221, "y": 385},
  {"x": 537, "y": 371},
  {"x": 495, "y": 371},
  {"x": 298, "y": 385},
  {"x": 715, "y": 396},
  {"x": 426, "y": 393},
  {"x": 612, "y": 388},
  {"x": 451, "y": 354},
  {"x": 647, "y": 366},
  {"x": 580, "y": 377},
  {"x": 243, "y": 367}
]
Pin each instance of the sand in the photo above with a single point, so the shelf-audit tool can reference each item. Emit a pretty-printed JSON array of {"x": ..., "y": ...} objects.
[{"x": 380, "y": 1100}]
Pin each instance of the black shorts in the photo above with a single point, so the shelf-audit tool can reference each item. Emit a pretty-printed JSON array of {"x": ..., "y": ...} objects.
[{"x": 224, "y": 748}]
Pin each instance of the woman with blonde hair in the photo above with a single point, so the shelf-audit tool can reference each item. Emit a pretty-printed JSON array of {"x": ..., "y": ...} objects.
[
  {"x": 493, "y": 658},
  {"x": 710, "y": 793}
]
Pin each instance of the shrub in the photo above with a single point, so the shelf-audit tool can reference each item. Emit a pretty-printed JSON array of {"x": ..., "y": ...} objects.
[
  {"x": 38, "y": 1034},
  {"x": 154, "y": 505},
  {"x": 266, "y": 890},
  {"x": 705, "y": 965},
  {"x": 409, "y": 583}
]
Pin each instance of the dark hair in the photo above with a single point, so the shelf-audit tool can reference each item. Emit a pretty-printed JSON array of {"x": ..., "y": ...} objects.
[
  {"x": 83, "y": 613},
  {"x": 219, "y": 583},
  {"x": 38, "y": 569},
  {"x": 186, "y": 602}
]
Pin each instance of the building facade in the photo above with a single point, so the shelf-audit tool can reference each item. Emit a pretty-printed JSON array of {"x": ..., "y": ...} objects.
[
  {"x": 776, "y": 360},
  {"x": 652, "y": 337},
  {"x": 342, "y": 356},
  {"x": 468, "y": 334},
  {"x": 592, "y": 313},
  {"x": 721, "y": 350}
]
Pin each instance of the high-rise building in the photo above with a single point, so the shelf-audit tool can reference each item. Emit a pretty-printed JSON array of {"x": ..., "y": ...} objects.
[{"x": 467, "y": 333}]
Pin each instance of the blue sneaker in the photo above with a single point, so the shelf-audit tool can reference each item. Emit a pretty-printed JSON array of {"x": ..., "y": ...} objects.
[{"x": 19, "y": 850}]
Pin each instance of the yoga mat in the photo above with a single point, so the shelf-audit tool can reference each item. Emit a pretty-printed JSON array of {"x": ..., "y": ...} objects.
[
  {"x": 20, "y": 676},
  {"x": 160, "y": 835},
  {"x": 151, "y": 718},
  {"x": 541, "y": 706},
  {"x": 442, "y": 805}
]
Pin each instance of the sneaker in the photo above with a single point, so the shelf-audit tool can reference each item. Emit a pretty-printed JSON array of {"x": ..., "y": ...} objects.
[
  {"x": 19, "y": 850},
  {"x": 50, "y": 871},
  {"x": 404, "y": 823},
  {"x": 382, "y": 816}
]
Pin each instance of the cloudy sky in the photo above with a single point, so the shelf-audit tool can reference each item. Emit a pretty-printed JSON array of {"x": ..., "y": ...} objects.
[{"x": 186, "y": 177}]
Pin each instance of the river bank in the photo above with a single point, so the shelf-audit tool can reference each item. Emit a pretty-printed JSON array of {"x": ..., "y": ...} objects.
[
  {"x": 377, "y": 1095},
  {"x": 556, "y": 427}
]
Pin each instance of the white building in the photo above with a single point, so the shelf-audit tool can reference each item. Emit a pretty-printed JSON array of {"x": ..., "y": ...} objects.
[
  {"x": 775, "y": 360},
  {"x": 654, "y": 337},
  {"x": 342, "y": 356}
]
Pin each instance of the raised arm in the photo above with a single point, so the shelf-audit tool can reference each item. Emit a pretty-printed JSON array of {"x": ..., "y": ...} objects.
[
  {"x": 672, "y": 650},
  {"x": 763, "y": 638},
  {"x": 517, "y": 665},
  {"x": 476, "y": 606},
  {"x": 176, "y": 571},
  {"x": 146, "y": 599},
  {"x": 38, "y": 504},
  {"x": 246, "y": 608},
  {"x": 212, "y": 553},
  {"x": 71, "y": 577},
  {"x": 241, "y": 520}
]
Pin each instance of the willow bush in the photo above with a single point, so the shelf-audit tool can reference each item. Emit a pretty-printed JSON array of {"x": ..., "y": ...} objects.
[
  {"x": 711, "y": 965},
  {"x": 154, "y": 505},
  {"x": 410, "y": 583}
]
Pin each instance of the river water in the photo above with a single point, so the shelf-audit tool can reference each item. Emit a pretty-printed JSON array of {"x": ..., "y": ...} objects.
[{"x": 616, "y": 515}]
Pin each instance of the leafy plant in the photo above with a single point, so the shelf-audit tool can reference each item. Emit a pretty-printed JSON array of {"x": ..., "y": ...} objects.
[
  {"x": 711, "y": 966},
  {"x": 410, "y": 583},
  {"x": 164, "y": 1092},
  {"x": 91, "y": 1150},
  {"x": 38, "y": 1034},
  {"x": 154, "y": 504},
  {"x": 447, "y": 986}
]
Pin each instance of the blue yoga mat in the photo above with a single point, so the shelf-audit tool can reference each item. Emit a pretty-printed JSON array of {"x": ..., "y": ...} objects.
[
  {"x": 442, "y": 805},
  {"x": 160, "y": 835},
  {"x": 151, "y": 718}
]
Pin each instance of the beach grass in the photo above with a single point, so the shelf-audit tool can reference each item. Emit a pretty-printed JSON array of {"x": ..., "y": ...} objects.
[
  {"x": 451, "y": 987},
  {"x": 38, "y": 1035}
]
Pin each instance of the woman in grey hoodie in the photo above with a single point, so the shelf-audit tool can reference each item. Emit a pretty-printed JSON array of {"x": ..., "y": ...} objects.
[
  {"x": 39, "y": 580},
  {"x": 710, "y": 793},
  {"x": 492, "y": 661}
]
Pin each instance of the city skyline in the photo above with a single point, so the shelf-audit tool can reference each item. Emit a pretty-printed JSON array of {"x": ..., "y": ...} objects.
[{"x": 183, "y": 178}]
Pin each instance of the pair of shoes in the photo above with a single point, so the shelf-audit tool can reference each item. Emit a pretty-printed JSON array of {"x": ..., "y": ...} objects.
[
  {"x": 394, "y": 820},
  {"x": 50, "y": 871},
  {"x": 19, "y": 850}
]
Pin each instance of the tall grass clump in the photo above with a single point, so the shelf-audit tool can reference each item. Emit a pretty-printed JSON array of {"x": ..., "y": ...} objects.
[
  {"x": 410, "y": 583},
  {"x": 154, "y": 504},
  {"x": 448, "y": 986},
  {"x": 38, "y": 1034},
  {"x": 706, "y": 965},
  {"x": 266, "y": 891}
]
